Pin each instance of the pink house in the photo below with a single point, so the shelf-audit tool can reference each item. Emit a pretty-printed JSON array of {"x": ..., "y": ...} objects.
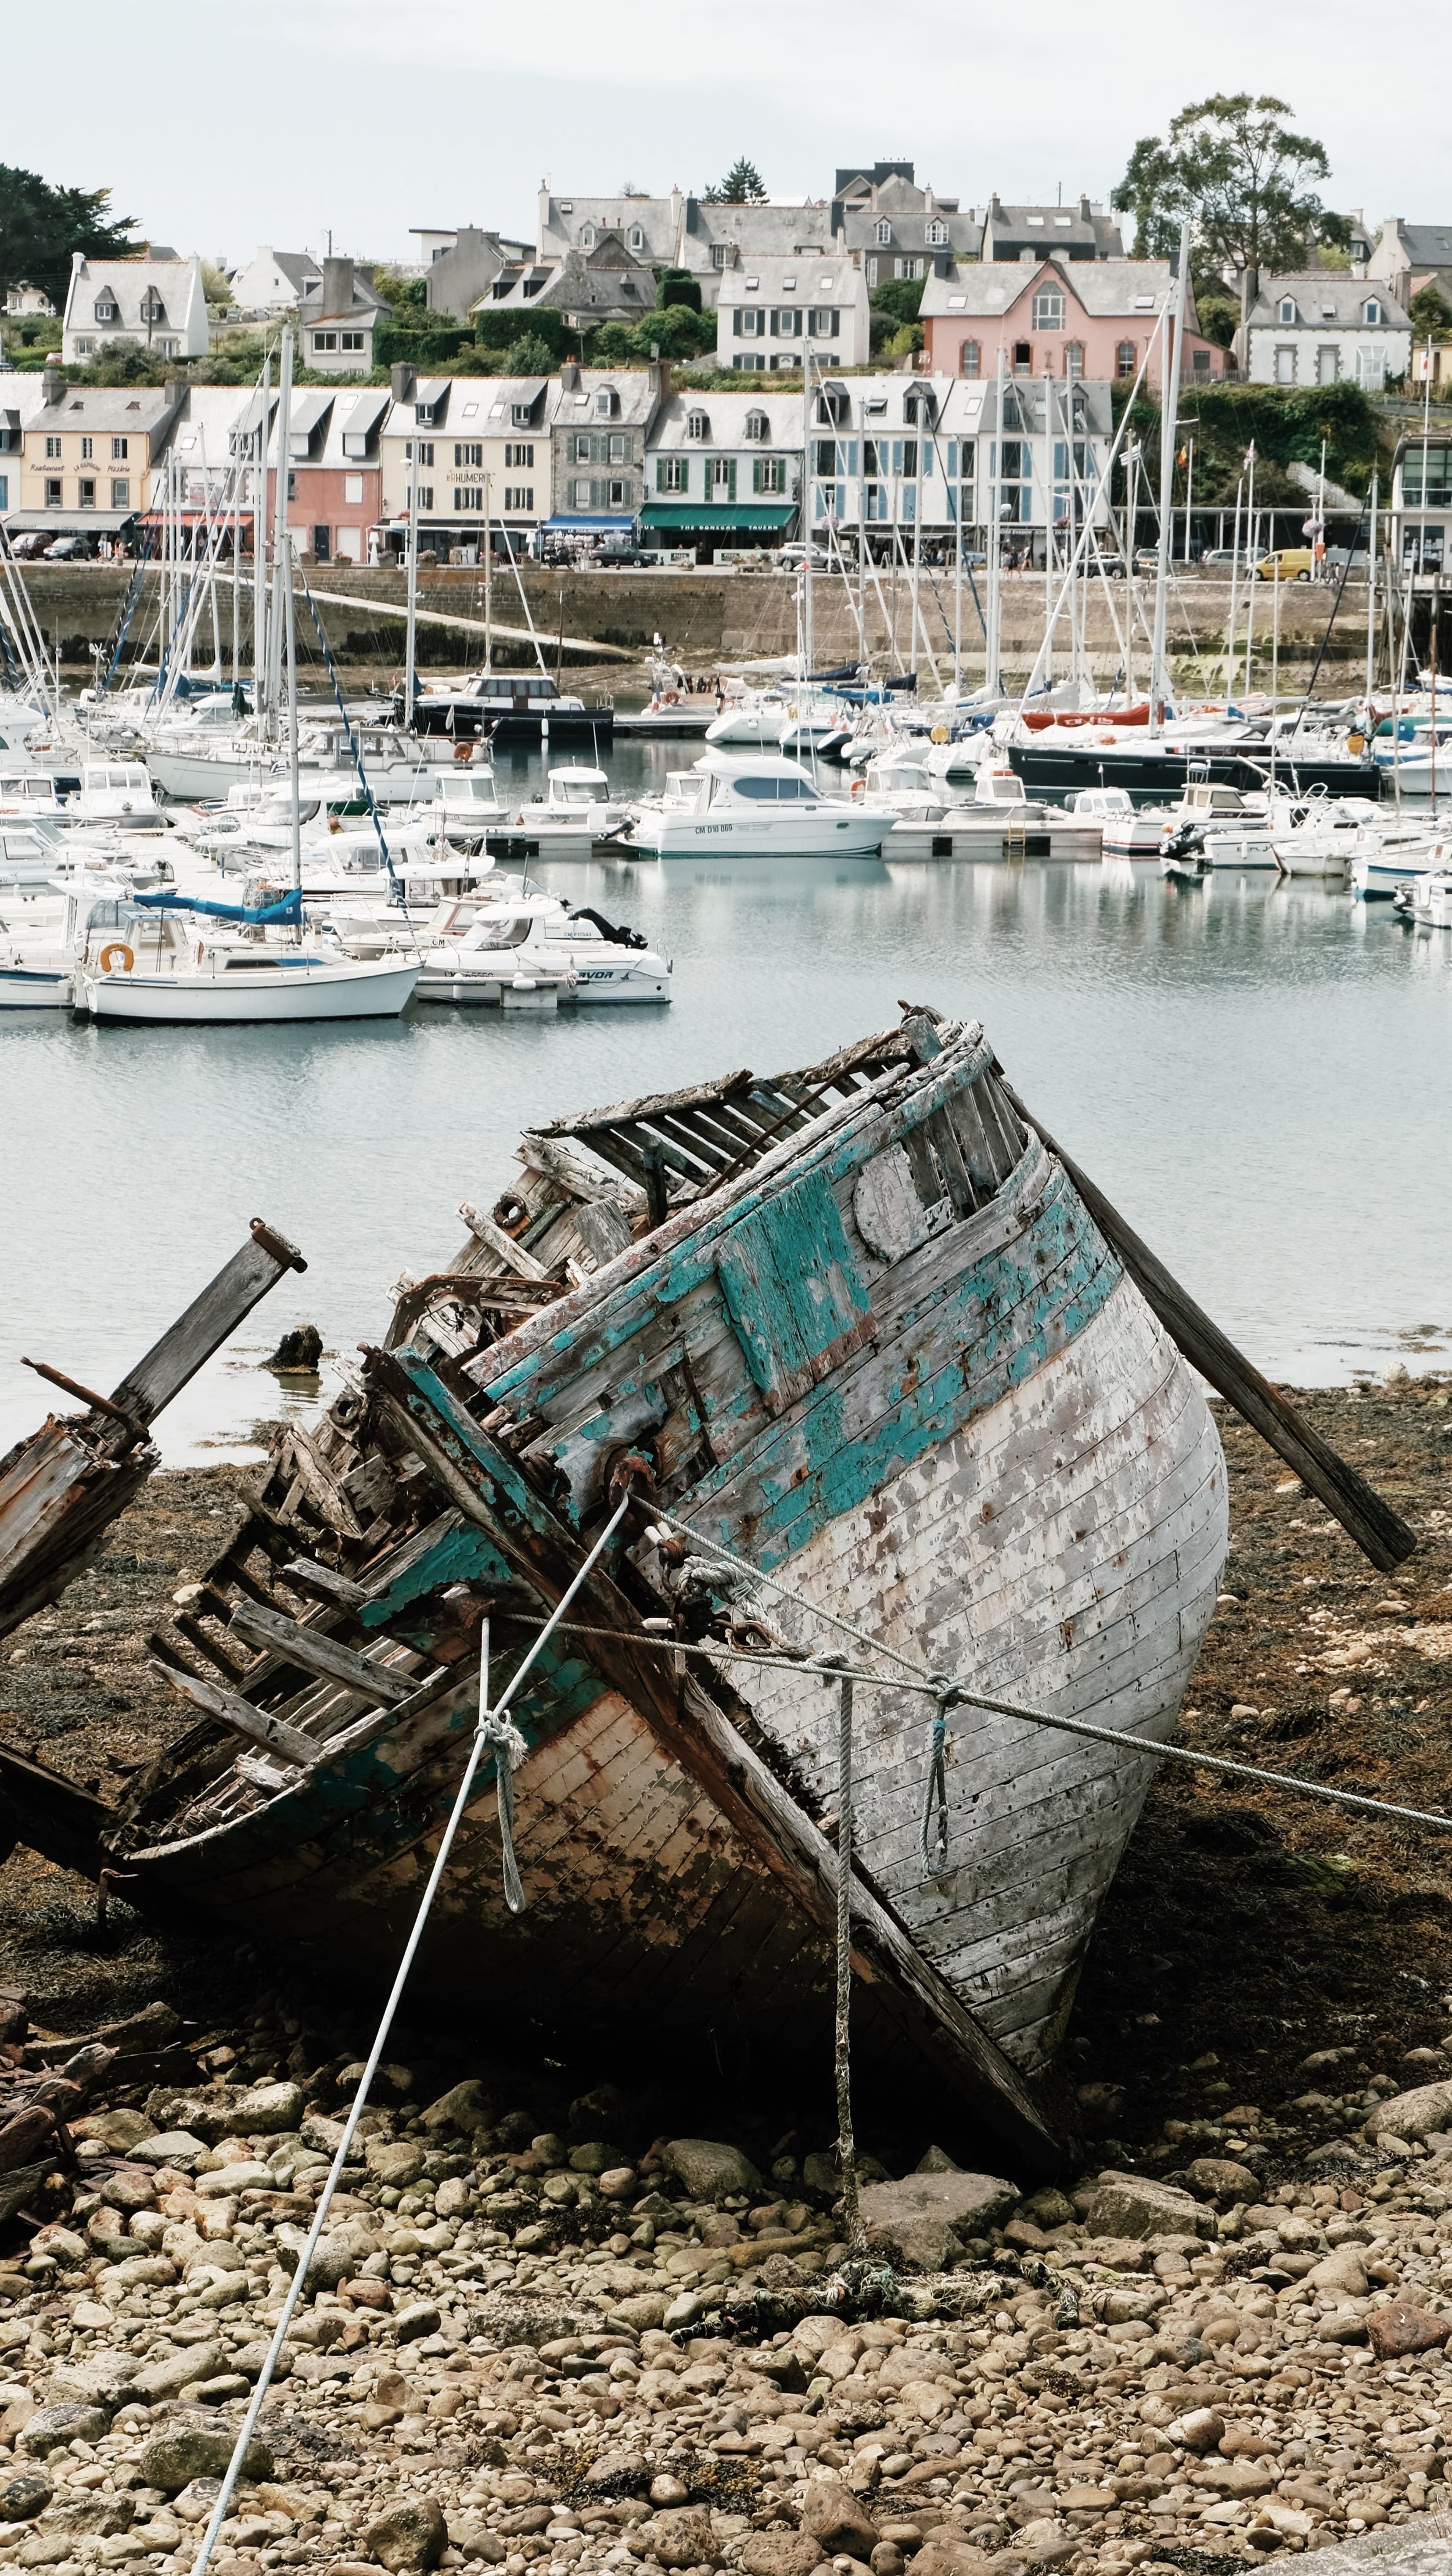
[{"x": 1092, "y": 318}]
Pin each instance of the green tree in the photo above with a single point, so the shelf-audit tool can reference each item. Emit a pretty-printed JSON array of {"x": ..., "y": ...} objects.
[
  {"x": 1431, "y": 314},
  {"x": 40, "y": 226},
  {"x": 1233, "y": 165},
  {"x": 743, "y": 185},
  {"x": 216, "y": 286}
]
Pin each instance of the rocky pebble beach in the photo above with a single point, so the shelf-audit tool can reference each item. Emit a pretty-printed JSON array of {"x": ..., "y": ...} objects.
[{"x": 553, "y": 2326}]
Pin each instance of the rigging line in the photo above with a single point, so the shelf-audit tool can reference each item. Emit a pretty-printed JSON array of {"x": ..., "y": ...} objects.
[
  {"x": 930, "y": 1686},
  {"x": 353, "y": 746},
  {"x": 743, "y": 1565},
  {"x": 477, "y": 1750}
]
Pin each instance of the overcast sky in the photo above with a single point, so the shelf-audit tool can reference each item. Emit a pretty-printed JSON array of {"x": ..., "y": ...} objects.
[{"x": 219, "y": 129}]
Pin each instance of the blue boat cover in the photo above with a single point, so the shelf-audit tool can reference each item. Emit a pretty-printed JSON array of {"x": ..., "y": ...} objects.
[{"x": 289, "y": 910}]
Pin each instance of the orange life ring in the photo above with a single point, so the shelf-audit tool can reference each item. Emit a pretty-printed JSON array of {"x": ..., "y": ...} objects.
[
  {"x": 859, "y": 786},
  {"x": 117, "y": 948}
]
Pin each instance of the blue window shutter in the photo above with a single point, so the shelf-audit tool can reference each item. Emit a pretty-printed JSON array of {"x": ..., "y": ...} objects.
[{"x": 736, "y": 321}]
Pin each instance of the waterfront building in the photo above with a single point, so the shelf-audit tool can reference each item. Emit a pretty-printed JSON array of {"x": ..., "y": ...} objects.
[
  {"x": 1322, "y": 326},
  {"x": 891, "y": 453},
  {"x": 338, "y": 315},
  {"x": 1090, "y": 320},
  {"x": 1078, "y": 232},
  {"x": 600, "y": 430},
  {"x": 770, "y": 310},
  {"x": 156, "y": 303},
  {"x": 485, "y": 457},
  {"x": 723, "y": 469},
  {"x": 459, "y": 267},
  {"x": 1421, "y": 503},
  {"x": 274, "y": 281},
  {"x": 87, "y": 453}
]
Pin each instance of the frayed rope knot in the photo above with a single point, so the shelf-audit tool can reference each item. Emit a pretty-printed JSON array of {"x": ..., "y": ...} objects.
[
  {"x": 509, "y": 1749},
  {"x": 935, "y": 1804}
]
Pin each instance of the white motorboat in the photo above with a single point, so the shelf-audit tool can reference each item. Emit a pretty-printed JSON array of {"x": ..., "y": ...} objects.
[
  {"x": 117, "y": 793},
  {"x": 754, "y": 721},
  {"x": 1393, "y": 851},
  {"x": 1124, "y": 832},
  {"x": 476, "y": 944},
  {"x": 756, "y": 809},
  {"x": 1322, "y": 836},
  {"x": 897, "y": 783},
  {"x": 171, "y": 967},
  {"x": 577, "y": 810},
  {"x": 1001, "y": 788},
  {"x": 29, "y": 796},
  {"x": 1427, "y": 899}
]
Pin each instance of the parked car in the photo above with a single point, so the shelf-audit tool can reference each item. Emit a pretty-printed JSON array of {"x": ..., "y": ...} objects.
[
  {"x": 1290, "y": 563},
  {"x": 618, "y": 550},
  {"x": 30, "y": 543},
  {"x": 1223, "y": 558},
  {"x": 70, "y": 549},
  {"x": 797, "y": 552}
]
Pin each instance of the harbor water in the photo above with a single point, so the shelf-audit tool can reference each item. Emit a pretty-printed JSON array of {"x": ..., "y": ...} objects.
[{"x": 1256, "y": 1072}]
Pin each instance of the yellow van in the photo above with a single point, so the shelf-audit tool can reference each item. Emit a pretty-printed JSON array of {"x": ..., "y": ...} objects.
[{"x": 1293, "y": 563}]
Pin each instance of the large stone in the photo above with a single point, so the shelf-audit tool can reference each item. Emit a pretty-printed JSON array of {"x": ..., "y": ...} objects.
[
  {"x": 1240, "y": 2477},
  {"x": 838, "y": 2520},
  {"x": 942, "y": 2556},
  {"x": 397, "y": 2161},
  {"x": 464, "y": 2107},
  {"x": 710, "y": 2170},
  {"x": 1402, "y": 2327},
  {"x": 1340, "y": 2271},
  {"x": 323, "y": 2135},
  {"x": 51, "y": 2426},
  {"x": 173, "y": 2371},
  {"x": 193, "y": 2448},
  {"x": 1413, "y": 2115},
  {"x": 411, "y": 2536},
  {"x": 338, "y": 2254},
  {"x": 118, "y": 2130},
  {"x": 641, "y": 2313},
  {"x": 28, "y": 2494},
  {"x": 1220, "y": 2178},
  {"x": 94, "y": 2379},
  {"x": 169, "y": 2147},
  {"x": 925, "y": 2217},
  {"x": 683, "y": 2539},
  {"x": 1415, "y": 2548},
  {"x": 780, "y": 2553},
  {"x": 264, "y": 2111},
  {"x": 1129, "y": 2205}
]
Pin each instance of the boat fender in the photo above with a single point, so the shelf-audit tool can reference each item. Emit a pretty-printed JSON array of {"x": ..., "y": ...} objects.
[
  {"x": 117, "y": 948},
  {"x": 859, "y": 786}
]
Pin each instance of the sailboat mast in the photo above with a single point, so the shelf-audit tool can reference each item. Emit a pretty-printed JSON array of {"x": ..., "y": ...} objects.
[
  {"x": 1250, "y": 567},
  {"x": 992, "y": 647},
  {"x": 1171, "y": 343},
  {"x": 289, "y": 608},
  {"x": 259, "y": 542},
  {"x": 411, "y": 640},
  {"x": 808, "y": 514},
  {"x": 1371, "y": 602}
]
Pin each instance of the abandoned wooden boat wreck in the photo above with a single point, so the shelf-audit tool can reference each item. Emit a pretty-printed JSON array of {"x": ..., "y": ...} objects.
[
  {"x": 855, "y": 1323},
  {"x": 61, "y": 1489}
]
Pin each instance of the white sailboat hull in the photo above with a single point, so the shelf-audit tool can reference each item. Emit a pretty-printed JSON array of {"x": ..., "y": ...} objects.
[
  {"x": 200, "y": 778},
  {"x": 24, "y": 988},
  {"x": 255, "y": 996}
]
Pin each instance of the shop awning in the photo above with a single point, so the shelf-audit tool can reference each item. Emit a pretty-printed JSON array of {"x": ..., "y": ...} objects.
[
  {"x": 587, "y": 523},
  {"x": 718, "y": 514},
  {"x": 68, "y": 523}
]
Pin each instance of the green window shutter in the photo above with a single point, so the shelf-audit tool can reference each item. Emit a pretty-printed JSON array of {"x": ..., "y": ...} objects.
[
  {"x": 731, "y": 480},
  {"x": 660, "y": 474},
  {"x": 757, "y": 463}
]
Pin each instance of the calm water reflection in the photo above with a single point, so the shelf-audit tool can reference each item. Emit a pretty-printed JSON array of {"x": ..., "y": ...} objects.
[{"x": 1258, "y": 1074}]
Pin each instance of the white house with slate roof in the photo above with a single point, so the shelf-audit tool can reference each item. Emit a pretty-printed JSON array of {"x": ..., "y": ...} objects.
[
  {"x": 1322, "y": 326},
  {"x": 154, "y": 304},
  {"x": 275, "y": 281},
  {"x": 723, "y": 468},
  {"x": 770, "y": 310}
]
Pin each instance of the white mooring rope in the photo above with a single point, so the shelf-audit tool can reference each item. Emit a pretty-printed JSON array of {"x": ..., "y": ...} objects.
[{"x": 490, "y": 1733}]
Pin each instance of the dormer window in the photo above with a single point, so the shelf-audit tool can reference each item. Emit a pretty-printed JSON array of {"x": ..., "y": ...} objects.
[
  {"x": 752, "y": 285},
  {"x": 106, "y": 308},
  {"x": 588, "y": 236},
  {"x": 1049, "y": 309},
  {"x": 607, "y": 403},
  {"x": 1288, "y": 309},
  {"x": 884, "y": 232},
  {"x": 152, "y": 307},
  {"x": 757, "y": 425},
  {"x": 697, "y": 425},
  {"x": 936, "y": 236},
  {"x": 1371, "y": 311},
  {"x": 788, "y": 285},
  {"x": 518, "y": 413},
  {"x": 636, "y": 237}
]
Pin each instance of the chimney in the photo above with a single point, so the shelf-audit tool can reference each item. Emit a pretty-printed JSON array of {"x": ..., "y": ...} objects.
[
  {"x": 402, "y": 381},
  {"x": 569, "y": 378},
  {"x": 337, "y": 286},
  {"x": 1086, "y": 211},
  {"x": 52, "y": 382}
]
